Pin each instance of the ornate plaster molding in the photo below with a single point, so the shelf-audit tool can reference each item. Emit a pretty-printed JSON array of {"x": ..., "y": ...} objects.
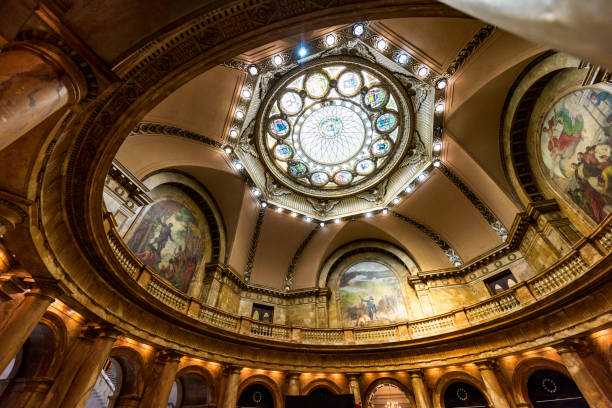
[
  {"x": 463, "y": 55},
  {"x": 253, "y": 247},
  {"x": 153, "y": 128},
  {"x": 288, "y": 282}
]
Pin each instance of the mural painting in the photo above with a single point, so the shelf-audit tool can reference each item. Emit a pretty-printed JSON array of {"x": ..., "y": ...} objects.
[
  {"x": 370, "y": 295},
  {"x": 576, "y": 149},
  {"x": 169, "y": 241}
]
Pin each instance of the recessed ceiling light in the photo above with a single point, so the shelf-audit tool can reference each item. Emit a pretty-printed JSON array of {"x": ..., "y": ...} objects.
[
  {"x": 440, "y": 107},
  {"x": 238, "y": 166},
  {"x": 396, "y": 200},
  {"x": 321, "y": 224},
  {"x": 402, "y": 58},
  {"x": 422, "y": 177},
  {"x": 385, "y": 211},
  {"x": 358, "y": 29},
  {"x": 337, "y": 220},
  {"x": 368, "y": 214},
  {"x": 233, "y": 132},
  {"x": 441, "y": 84},
  {"x": 302, "y": 52},
  {"x": 307, "y": 219},
  {"x": 264, "y": 204},
  {"x": 437, "y": 147},
  {"x": 228, "y": 149},
  {"x": 330, "y": 39},
  {"x": 256, "y": 192},
  {"x": 279, "y": 210},
  {"x": 437, "y": 163},
  {"x": 246, "y": 93},
  {"x": 381, "y": 44},
  {"x": 239, "y": 114},
  {"x": 294, "y": 214},
  {"x": 423, "y": 71},
  {"x": 408, "y": 189},
  {"x": 277, "y": 60},
  {"x": 253, "y": 70}
]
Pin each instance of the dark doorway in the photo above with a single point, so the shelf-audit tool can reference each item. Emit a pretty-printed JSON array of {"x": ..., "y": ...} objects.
[
  {"x": 463, "y": 395},
  {"x": 256, "y": 396},
  {"x": 321, "y": 391},
  {"x": 551, "y": 389}
]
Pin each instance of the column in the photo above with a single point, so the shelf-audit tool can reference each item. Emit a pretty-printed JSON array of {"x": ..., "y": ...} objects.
[
  {"x": 354, "y": 387},
  {"x": 22, "y": 321},
  {"x": 230, "y": 398},
  {"x": 89, "y": 370},
  {"x": 421, "y": 394},
  {"x": 25, "y": 392},
  {"x": 493, "y": 387},
  {"x": 585, "y": 381},
  {"x": 78, "y": 352},
  {"x": 36, "y": 80},
  {"x": 157, "y": 391},
  {"x": 294, "y": 384}
]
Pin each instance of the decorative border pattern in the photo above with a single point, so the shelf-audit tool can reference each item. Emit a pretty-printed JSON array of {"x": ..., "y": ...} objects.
[
  {"x": 150, "y": 128},
  {"x": 476, "y": 202},
  {"x": 476, "y": 41},
  {"x": 289, "y": 275},
  {"x": 253, "y": 248}
]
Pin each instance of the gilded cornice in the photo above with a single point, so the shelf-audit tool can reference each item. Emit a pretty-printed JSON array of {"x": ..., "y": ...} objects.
[{"x": 153, "y": 128}]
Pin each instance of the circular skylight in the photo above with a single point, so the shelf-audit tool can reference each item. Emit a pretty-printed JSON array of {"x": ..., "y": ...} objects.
[{"x": 334, "y": 127}]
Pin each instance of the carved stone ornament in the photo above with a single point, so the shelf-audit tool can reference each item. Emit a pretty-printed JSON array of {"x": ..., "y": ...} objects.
[
  {"x": 274, "y": 189},
  {"x": 377, "y": 194},
  {"x": 322, "y": 207}
]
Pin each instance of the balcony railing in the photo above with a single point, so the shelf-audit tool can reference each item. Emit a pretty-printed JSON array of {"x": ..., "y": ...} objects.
[{"x": 545, "y": 284}]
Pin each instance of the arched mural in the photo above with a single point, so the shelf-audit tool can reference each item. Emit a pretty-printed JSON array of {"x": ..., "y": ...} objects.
[
  {"x": 576, "y": 147},
  {"x": 170, "y": 237},
  {"x": 370, "y": 295}
]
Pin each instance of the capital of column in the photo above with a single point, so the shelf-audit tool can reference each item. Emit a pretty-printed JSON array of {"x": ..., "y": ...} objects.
[
  {"x": 415, "y": 373},
  {"x": 293, "y": 376},
  {"x": 167, "y": 356},
  {"x": 353, "y": 376},
  {"x": 95, "y": 331},
  {"x": 232, "y": 369},
  {"x": 486, "y": 364}
]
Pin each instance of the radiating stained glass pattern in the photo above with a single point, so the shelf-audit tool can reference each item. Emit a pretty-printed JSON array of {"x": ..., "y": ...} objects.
[
  {"x": 317, "y": 85},
  {"x": 332, "y": 134},
  {"x": 291, "y": 103},
  {"x": 349, "y": 83},
  {"x": 343, "y": 177},
  {"x": 279, "y": 127},
  {"x": 381, "y": 147},
  {"x": 365, "y": 167},
  {"x": 319, "y": 178},
  {"x": 386, "y": 122},
  {"x": 375, "y": 98},
  {"x": 283, "y": 152}
]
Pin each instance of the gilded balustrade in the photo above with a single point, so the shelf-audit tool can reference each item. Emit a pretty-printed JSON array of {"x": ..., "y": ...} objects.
[{"x": 560, "y": 275}]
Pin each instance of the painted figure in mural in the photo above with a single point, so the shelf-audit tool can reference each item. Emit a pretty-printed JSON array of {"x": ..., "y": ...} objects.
[
  {"x": 169, "y": 241},
  {"x": 576, "y": 146},
  {"x": 165, "y": 233},
  {"x": 370, "y": 307}
]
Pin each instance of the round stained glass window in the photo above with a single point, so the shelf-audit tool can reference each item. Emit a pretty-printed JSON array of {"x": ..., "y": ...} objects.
[
  {"x": 283, "y": 152},
  {"x": 375, "y": 97},
  {"x": 317, "y": 85},
  {"x": 386, "y": 122},
  {"x": 290, "y": 103},
  {"x": 381, "y": 147},
  {"x": 279, "y": 127},
  {"x": 349, "y": 83},
  {"x": 365, "y": 167},
  {"x": 297, "y": 169},
  {"x": 319, "y": 178},
  {"x": 329, "y": 139},
  {"x": 343, "y": 177}
]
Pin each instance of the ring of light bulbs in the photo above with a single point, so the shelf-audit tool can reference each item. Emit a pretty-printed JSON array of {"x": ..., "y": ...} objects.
[{"x": 331, "y": 40}]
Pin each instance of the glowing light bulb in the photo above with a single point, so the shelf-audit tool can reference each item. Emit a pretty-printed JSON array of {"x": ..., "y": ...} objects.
[
  {"x": 227, "y": 149},
  {"x": 396, "y": 200},
  {"x": 423, "y": 71},
  {"x": 239, "y": 114},
  {"x": 302, "y": 52},
  {"x": 381, "y": 44},
  {"x": 253, "y": 70},
  {"x": 277, "y": 60},
  {"x": 402, "y": 58},
  {"x": 440, "y": 107},
  {"x": 358, "y": 29},
  {"x": 437, "y": 147},
  {"x": 436, "y": 163},
  {"x": 233, "y": 133},
  {"x": 330, "y": 39},
  {"x": 441, "y": 84},
  {"x": 246, "y": 93}
]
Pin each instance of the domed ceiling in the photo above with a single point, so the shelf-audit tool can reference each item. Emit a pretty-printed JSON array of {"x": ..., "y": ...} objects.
[{"x": 311, "y": 142}]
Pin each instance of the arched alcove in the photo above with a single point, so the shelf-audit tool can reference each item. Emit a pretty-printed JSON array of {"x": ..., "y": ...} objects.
[
  {"x": 388, "y": 393},
  {"x": 369, "y": 286},
  {"x": 456, "y": 377},
  {"x": 256, "y": 395},
  {"x": 462, "y": 394},
  {"x": 321, "y": 384},
  {"x": 193, "y": 387},
  {"x": 552, "y": 389}
]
